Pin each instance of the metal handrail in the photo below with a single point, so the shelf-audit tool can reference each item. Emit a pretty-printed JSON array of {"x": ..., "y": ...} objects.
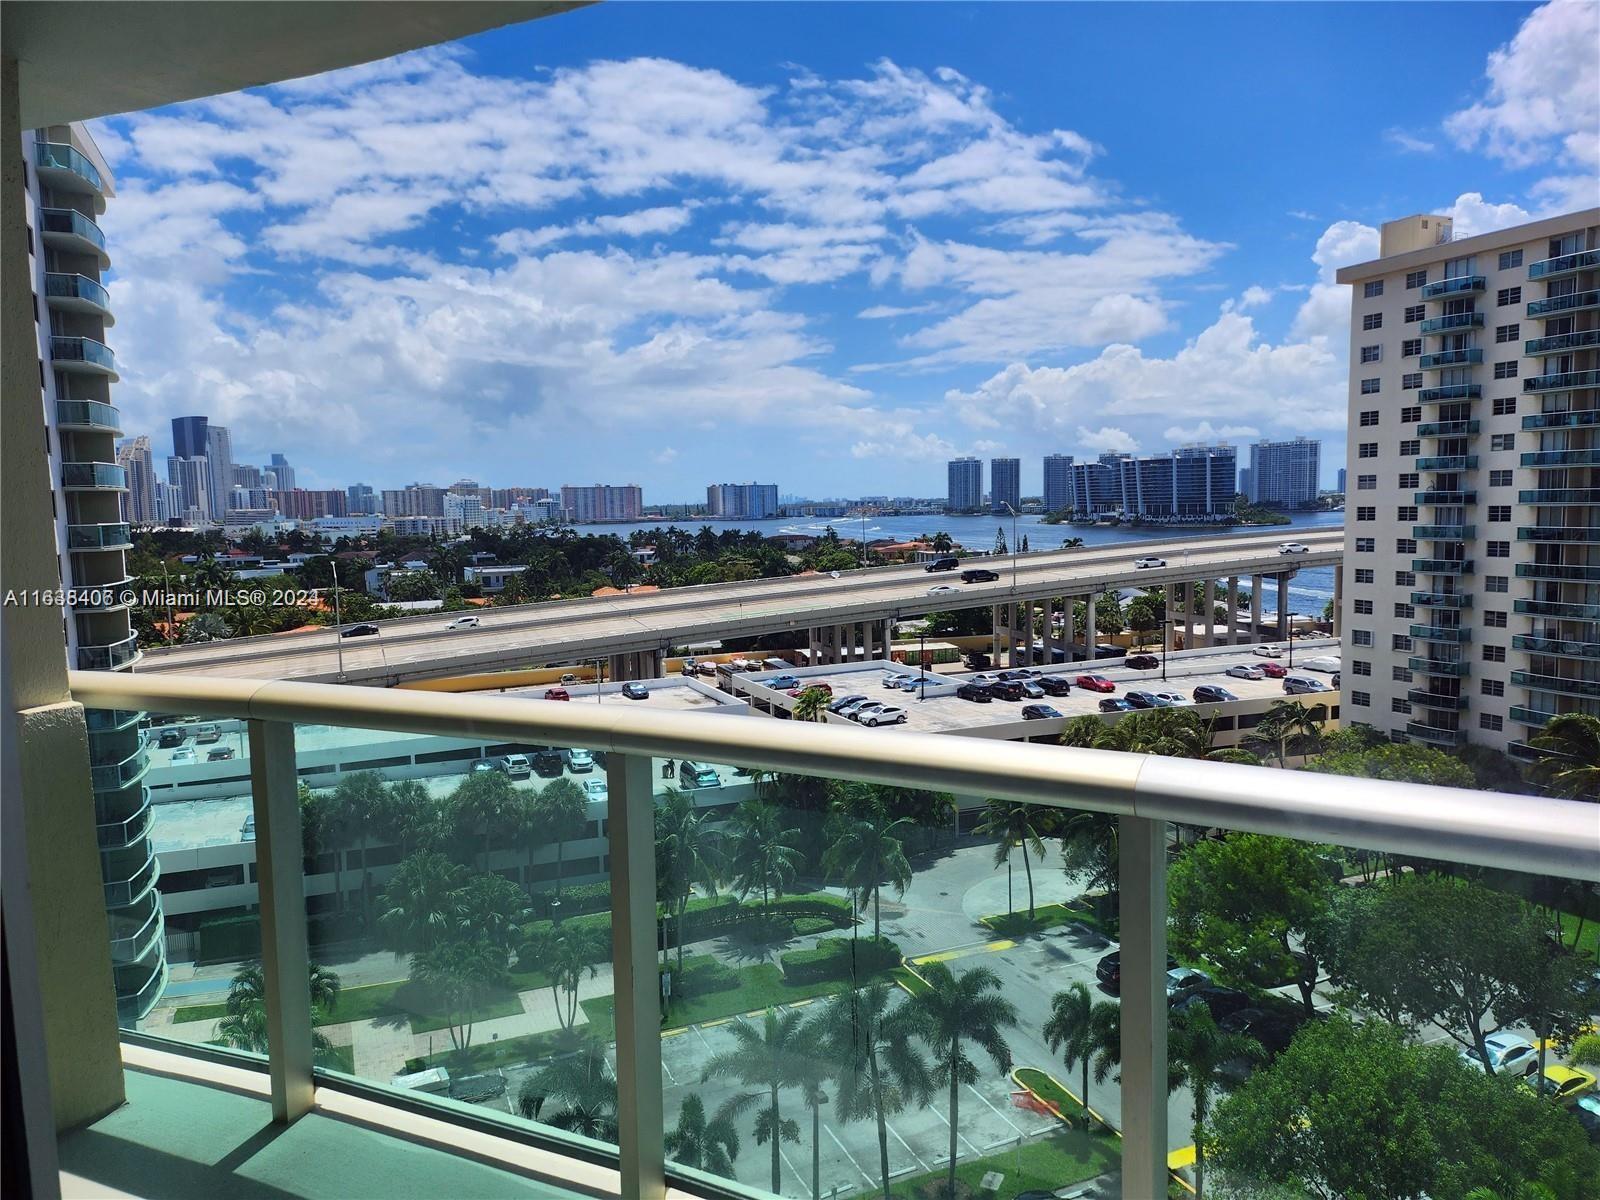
[{"x": 1548, "y": 836}]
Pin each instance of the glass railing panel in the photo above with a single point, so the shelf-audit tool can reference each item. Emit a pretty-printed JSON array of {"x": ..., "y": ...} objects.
[
  {"x": 76, "y": 287},
  {"x": 1562, "y": 341},
  {"x": 1565, "y": 264},
  {"x": 71, "y": 223},
  {"x": 1457, "y": 286},
  {"x": 1575, "y": 302},
  {"x": 1561, "y": 382},
  {"x": 58, "y": 156},
  {"x": 90, "y": 414},
  {"x": 84, "y": 350},
  {"x": 1453, "y": 391},
  {"x": 1450, "y": 358},
  {"x": 1562, "y": 420}
]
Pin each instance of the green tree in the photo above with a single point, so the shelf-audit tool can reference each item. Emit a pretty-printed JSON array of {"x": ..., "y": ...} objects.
[
  {"x": 878, "y": 1071},
  {"x": 1078, "y": 1028},
  {"x": 564, "y": 812},
  {"x": 360, "y": 800},
  {"x": 765, "y": 1060},
  {"x": 1090, "y": 851},
  {"x": 688, "y": 855},
  {"x": 761, "y": 853},
  {"x": 812, "y": 704},
  {"x": 409, "y": 817},
  {"x": 1016, "y": 825},
  {"x": 703, "y": 1145},
  {"x": 1571, "y": 763},
  {"x": 493, "y": 909},
  {"x": 204, "y": 627},
  {"x": 1242, "y": 901},
  {"x": 244, "y": 1025},
  {"x": 868, "y": 852},
  {"x": 1196, "y": 1050},
  {"x": 405, "y": 586},
  {"x": 563, "y": 954},
  {"x": 586, "y": 1090},
  {"x": 1290, "y": 727},
  {"x": 1406, "y": 762},
  {"x": 484, "y": 804},
  {"x": 943, "y": 543},
  {"x": 420, "y": 902},
  {"x": 460, "y": 972},
  {"x": 1000, "y": 546}
]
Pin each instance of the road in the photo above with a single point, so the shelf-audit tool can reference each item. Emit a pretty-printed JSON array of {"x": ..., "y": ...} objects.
[{"x": 572, "y": 630}]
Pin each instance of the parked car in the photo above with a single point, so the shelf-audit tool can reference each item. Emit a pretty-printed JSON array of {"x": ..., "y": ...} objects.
[
  {"x": 1509, "y": 1054},
  {"x": 884, "y": 714},
  {"x": 461, "y": 623},
  {"x": 219, "y": 754},
  {"x": 1109, "y": 969},
  {"x": 1210, "y": 693},
  {"x": 979, "y": 575},
  {"x": 983, "y": 680},
  {"x": 204, "y": 735},
  {"x": 546, "y": 763},
  {"x": 1143, "y": 662},
  {"x": 1095, "y": 683},
  {"x": 1181, "y": 981},
  {"x": 1172, "y": 700},
  {"x": 1587, "y": 1110},
  {"x": 362, "y": 630},
  {"x": 782, "y": 683},
  {"x": 977, "y": 662},
  {"x": 893, "y": 680},
  {"x": 1274, "y": 670},
  {"x": 1564, "y": 1084},
  {"x": 698, "y": 775},
  {"x": 484, "y": 767},
  {"x": 1267, "y": 651},
  {"x": 1293, "y": 548},
  {"x": 1245, "y": 671},
  {"x": 1019, "y": 674},
  {"x": 171, "y": 737},
  {"x": 1142, "y": 563},
  {"x": 1326, "y": 662},
  {"x": 857, "y": 711},
  {"x": 580, "y": 761},
  {"x": 1055, "y": 685},
  {"x": 557, "y": 693},
  {"x": 1006, "y": 689},
  {"x": 1274, "y": 1028},
  {"x": 844, "y": 702},
  {"x": 975, "y": 692},
  {"x": 689, "y": 667},
  {"x": 1038, "y": 712},
  {"x": 1219, "y": 1000},
  {"x": 1300, "y": 685},
  {"x": 1115, "y": 704},
  {"x": 183, "y": 754},
  {"x": 948, "y": 563},
  {"x": 1031, "y": 689},
  {"x": 635, "y": 691},
  {"x": 942, "y": 589},
  {"x": 1140, "y": 700},
  {"x": 594, "y": 789}
]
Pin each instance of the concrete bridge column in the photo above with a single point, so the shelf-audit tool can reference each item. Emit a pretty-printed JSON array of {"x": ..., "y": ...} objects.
[
  {"x": 888, "y": 637},
  {"x": 1069, "y": 626},
  {"x": 994, "y": 633},
  {"x": 1283, "y": 604},
  {"x": 1016, "y": 647},
  {"x": 1052, "y": 638},
  {"x": 1256, "y": 588},
  {"x": 1338, "y": 599},
  {"x": 1030, "y": 621},
  {"x": 844, "y": 639},
  {"x": 1208, "y": 605},
  {"x": 1090, "y": 631},
  {"x": 1233, "y": 610},
  {"x": 815, "y": 645}
]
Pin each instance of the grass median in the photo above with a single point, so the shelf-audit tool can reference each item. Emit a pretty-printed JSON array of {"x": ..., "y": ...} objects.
[
  {"x": 401, "y": 1000},
  {"x": 1047, "y": 916},
  {"x": 1047, "y": 1164}
]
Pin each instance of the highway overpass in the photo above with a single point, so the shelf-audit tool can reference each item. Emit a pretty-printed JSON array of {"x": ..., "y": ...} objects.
[{"x": 854, "y": 609}]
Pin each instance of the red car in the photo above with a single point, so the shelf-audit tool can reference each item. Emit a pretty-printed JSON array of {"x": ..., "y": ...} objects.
[
  {"x": 799, "y": 691},
  {"x": 1273, "y": 670},
  {"x": 556, "y": 694},
  {"x": 1095, "y": 683}
]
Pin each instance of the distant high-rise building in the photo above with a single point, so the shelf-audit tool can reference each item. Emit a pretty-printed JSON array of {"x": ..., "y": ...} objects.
[
  {"x": 189, "y": 437},
  {"x": 192, "y": 478},
  {"x": 1285, "y": 474},
  {"x": 1192, "y": 481},
  {"x": 139, "y": 504},
  {"x": 1057, "y": 482},
  {"x": 219, "y": 469},
  {"x": 1341, "y": 481},
  {"x": 465, "y": 506},
  {"x": 965, "y": 488},
  {"x": 246, "y": 476},
  {"x": 602, "y": 502},
  {"x": 1247, "y": 486},
  {"x": 284, "y": 473},
  {"x": 169, "y": 502},
  {"x": 1005, "y": 484},
  {"x": 362, "y": 500},
  {"x": 742, "y": 501}
]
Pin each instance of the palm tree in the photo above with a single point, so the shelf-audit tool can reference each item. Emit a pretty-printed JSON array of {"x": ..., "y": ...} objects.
[
  {"x": 688, "y": 855},
  {"x": 244, "y": 1027},
  {"x": 1571, "y": 768},
  {"x": 420, "y": 902},
  {"x": 766, "y": 1060},
  {"x": 409, "y": 816},
  {"x": 1288, "y": 722},
  {"x": 563, "y": 954},
  {"x": 1072, "y": 543},
  {"x": 564, "y": 811},
  {"x": 1015, "y": 825},
  {"x": 951, "y": 1013},
  {"x": 360, "y": 800},
  {"x": 700, "y": 1144},
  {"x": 812, "y": 704},
  {"x": 942, "y": 542},
  {"x": 868, "y": 851},
  {"x": 460, "y": 972},
  {"x": 877, "y": 1071},
  {"x": 1090, "y": 849},
  {"x": 1078, "y": 1028},
  {"x": 493, "y": 908},
  {"x": 1196, "y": 1050},
  {"x": 585, "y": 1086},
  {"x": 762, "y": 852},
  {"x": 484, "y": 803}
]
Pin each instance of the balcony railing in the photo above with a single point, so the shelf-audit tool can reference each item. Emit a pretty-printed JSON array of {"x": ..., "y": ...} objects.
[
  {"x": 1557, "y": 342},
  {"x": 1575, "y": 572},
  {"x": 106, "y": 777},
  {"x": 122, "y": 890},
  {"x": 1559, "y": 496},
  {"x": 76, "y": 293},
  {"x": 1450, "y": 496},
  {"x": 1452, "y": 321},
  {"x": 1576, "y": 302},
  {"x": 1443, "y": 700},
  {"x": 1565, "y": 264},
  {"x": 94, "y": 475},
  {"x": 1556, "y": 683},
  {"x": 1442, "y": 566},
  {"x": 1436, "y": 666},
  {"x": 1561, "y": 458},
  {"x": 88, "y": 414},
  {"x": 1451, "y": 358},
  {"x": 1451, "y": 391},
  {"x": 1442, "y": 633},
  {"x": 1562, "y": 420},
  {"x": 1433, "y": 735},
  {"x": 1144, "y": 792},
  {"x": 83, "y": 354},
  {"x": 1448, "y": 462},
  {"x": 109, "y": 658},
  {"x": 1460, "y": 285},
  {"x": 65, "y": 168},
  {"x": 1445, "y": 533},
  {"x": 1447, "y": 429},
  {"x": 1536, "y": 718},
  {"x": 68, "y": 229},
  {"x": 113, "y": 535},
  {"x": 119, "y": 835},
  {"x": 1557, "y": 608},
  {"x": 1563, "y": 381},
  {"x": 1573, "y": 534},
  {"x": 1561, "y": 647},
  {"x": 1441, "y": 599}
]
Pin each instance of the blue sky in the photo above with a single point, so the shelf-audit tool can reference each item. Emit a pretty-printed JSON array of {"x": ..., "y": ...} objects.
[{"x": 823, "y": 245}]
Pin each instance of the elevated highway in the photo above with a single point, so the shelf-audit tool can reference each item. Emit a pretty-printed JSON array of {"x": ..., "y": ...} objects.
[{"x": 854, "y": 609}]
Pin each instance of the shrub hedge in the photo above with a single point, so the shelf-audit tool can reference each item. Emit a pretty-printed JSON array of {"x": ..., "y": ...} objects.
[{"x": 840, "y": 958}]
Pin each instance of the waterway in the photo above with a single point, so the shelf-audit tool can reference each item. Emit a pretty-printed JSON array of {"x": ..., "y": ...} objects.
[{"x": 1310, "y": 589}]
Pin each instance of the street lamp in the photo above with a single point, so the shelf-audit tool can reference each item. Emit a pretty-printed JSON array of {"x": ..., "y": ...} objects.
[
  {"x": 1292, "y": 616},
  {"x": 1013, "y": 513},
  {"x": 338, "y": 631}
]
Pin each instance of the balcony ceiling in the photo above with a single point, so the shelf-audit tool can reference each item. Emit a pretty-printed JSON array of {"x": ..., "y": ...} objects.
[{"x": 95, "y": 59}]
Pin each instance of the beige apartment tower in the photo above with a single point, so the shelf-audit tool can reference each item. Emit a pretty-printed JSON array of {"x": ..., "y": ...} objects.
[{"x": 1472, "y": 544}]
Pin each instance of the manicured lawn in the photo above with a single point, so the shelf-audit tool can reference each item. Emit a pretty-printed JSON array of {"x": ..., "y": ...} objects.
[
  {"x": 1047, "y": 1089},
  {"x": 199, "y": 1012},
  {"x": 1045, "y": 916},
  {"x": 398, "y": 1000},
  {"x": 507, "y": 1052},
  {"x": 1048, "y": 1164},
  {"x": 910, "y": 980},
  {"x": 1589, "y": 941},
  {"x": 338, "y": 1058}
]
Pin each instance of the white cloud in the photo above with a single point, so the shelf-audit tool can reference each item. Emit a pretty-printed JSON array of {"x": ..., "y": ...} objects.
[
  {"x": 1300, "y": 214},
  {"x": 1107, "y": 440},
  {"x": 665, "y": 455},
  {"x": 1254, "y": 297},
  {"x": 879, "y": 312},
  {"x": 1407, "y": 142},
  {"x": 1205, "y": 431},
  {"x": 663, "y": 219}
]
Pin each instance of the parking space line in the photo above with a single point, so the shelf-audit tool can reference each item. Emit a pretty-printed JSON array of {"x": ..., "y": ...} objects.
[
  {"x": 671, "y": 1078},
  {"x": 915, "y": 1157},
  {"x": 714, "y": 1024},
  {"x": 829, "y": 1131},
  {"x": 960, "y": 1137},
  {"x": 784, "y": 1155},
  {"x": 703, "y": 1040},
  {"x": 993, "y": 1109}
]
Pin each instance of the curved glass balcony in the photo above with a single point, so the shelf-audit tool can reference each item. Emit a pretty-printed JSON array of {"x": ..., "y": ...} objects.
[
  {"x": 88, "y": 414},
  {"x": 1576, "y": 302},
  {"x": 110, "y": 720},
  {"x": 68, "y": 229},
  {"x": 119, "y": 835},
  {"x": 1452, "y": 391},
  {"x": 82, "y": 354},
  {"x": 132, "y": 929},
  {"x": 1441, "y": 600},
  {"x": 1434, "y": 666},
  {"x": 1573, "y": 572},
  {"x": 1445, "y": 497},
  {"x": 1565, "y": 264},
  {"x": 1559, "y": 496},
  {"x": 1562, "y": 420},
  {"x": 1442, "y": 566},
  {"x": 135, "y": 999},
  {"x": 112, "y": 807},
  {"x": 1442, "y": 633},
  {"x": 1565, "y": 381},
  {"x": 1444, "y": 324},
  {"x": 1557, "y": 342},
  {"x": 1445, "y": 533},
  {"x": 1530, "y": 716},
  {"x": 1557, "y": 608},
  {"x": 1556, "y": 683},
  {"x": 1575, "y": 534},
  {"x": 76, "y": 293},
  {"x": 109, "y": 658},
  {"x": 1433, "y": 735},
  {"x": 1461, "y": 285},
  {"x": 1442, "y": 700},
  {"x": 65, "y": 169},
  {"x": 113, "y": 535},
  {"x": 1563, "y": 647},
  {"x": 1561, "y": 458},
  {"x": 122, "y": 885},
  {"x": 1447, "y": 428},
  {"x": 101, "y": 596},
  {"x": 109, "y": 776},
  {"x": 1450, "y": 358},
  {"x": 94, "y": 475},
  {"x": 1448, "y": 462}
]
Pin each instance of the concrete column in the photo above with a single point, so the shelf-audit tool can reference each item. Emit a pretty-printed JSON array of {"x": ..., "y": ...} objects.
[
  {"x": 1233, "y": 610},
  {"x": 888, "y": 637},
  {"x": 1256, "y": 588},
  {"x": 1283, "y": 604},
  {"x": 1052, "y": 639},
  {"x": 994, "y": 633},
  {"x": 1030, "y": 620},
  {"x": 1338, "y": 599},
  {"x": 1069, "y": 626},
  {"x": 1207, "y": 630},
  {"x": 1143, "y": 878}
]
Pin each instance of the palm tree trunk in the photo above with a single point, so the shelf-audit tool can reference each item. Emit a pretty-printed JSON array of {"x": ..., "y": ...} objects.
[
  {"x": 683, "y": 914},
  {"x": 883, "y": 1123},
  {"x": 1085, "y": 1095},
  {"x": 1027, "y": 865},
  {"x": 955, "y": 1101},
  {"x": 529, "y": 873},
  {"x": 877, "y": 912},
  {"x": 1201, "y": 1104},
  {"x": 560, "y": 862},
  {"x": 777, "y": 1180},
  {"x": 816, "y": 1150}
]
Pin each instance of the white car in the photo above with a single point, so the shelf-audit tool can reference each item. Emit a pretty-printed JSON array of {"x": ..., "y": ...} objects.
[
  {"x": 594, "y": 789},
  {"x": 942, "y": 589},
  {"x": 1245, "y": 671},
  {"x": 580, "y": 761},
  {"x": 1327, "y": 662},
  {"x": 1142, "y": 563},
  {"x": 1293, "y": 548},
  {"x": 183, "y": 754},
  {"x": 1181, "y": 980},
  {"x": 860, "y": 712},
  {"x": 1268, "y": 652},
  {"x": 1510, "y": 1054},
  {"x": 461, "y": 623},
  {"x": 1174, "y": 699},
  {"x": 885, "y": 714}
]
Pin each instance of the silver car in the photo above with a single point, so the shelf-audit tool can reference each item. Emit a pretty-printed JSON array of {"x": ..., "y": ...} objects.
[
  {"x": 1508, "y": 1053},
  {"x": 1245, "y": 671}
]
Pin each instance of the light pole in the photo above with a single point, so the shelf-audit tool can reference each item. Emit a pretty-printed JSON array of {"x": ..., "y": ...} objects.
[
  {"x": 863, "y": 540},
  {"x": 1013, "y": 513},
  {"x": 338, "y": 631},
  {"x": 1292, "y": 616},
  {"x": 922, "y": 662},
  {"x": 1166, "y": 624}
]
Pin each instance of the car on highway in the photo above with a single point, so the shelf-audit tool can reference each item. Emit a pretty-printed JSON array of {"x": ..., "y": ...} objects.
[
  {"x": 1274, "y": 670},
  {"x": 172, "y": 737},
  {"x": 362, "y": 630},
  {"x": 461, "y": 623},
  {"x": 594, "y": 789},
  {"x": 635, "y": 691},
  {"x": 1095, "y": 683},
  {"x": 883, "y": 714},
  {"x": 580, "y": 761},
  {"x": 948, "y": 563},
  {"x": 1142, "y": 662},
  {"x": 1267, "y": 651},
  {"x": 183, "y": 754},
  {"x": 979, "y": 575},
  {"x": 1210, "y": 693},
  {"x": 1140, "y": 700},
  {"x": 557, "y": 693},
  {"x": 1115, "y": 704},
  {"x": 569, "y": 677},
  {"x": 845, "y": 701},
  {"x": 1564, "y": 1084},
  {"x": 1173, "y": 700},
  {"x": 1245, "y": 671},
  {"x": 1109, "y": 969},
  {"x": 1300, "y": 685},
  {"x": 698, "y": 775},
  {"x": 219, "y": 753},
  {"x": 1509, "y": 1054},
  {"x": 1181, "y": 981},
  {"x": 942, "y": 589},
  {"x": 976, "y": 692},
  {"x": 1293, "y": 548},
  {"x": 1221, "y": 1001},
  {"x": 1327, "y": 663},
  {"x": 781, "y": 683},
  {"x": 1006, "y": 689},
  {"x": 1055, "y": 685},
  {"x": 1142, "y": 563},
  {"x": 1038, "y": 712}
]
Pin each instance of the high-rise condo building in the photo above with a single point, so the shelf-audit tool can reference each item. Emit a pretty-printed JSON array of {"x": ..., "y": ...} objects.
[
  {"x": 1190, "y": 483},
  {"x": 139, "y": 502},
  {"x": 285, "y": 473},
  {"x": 1285, "y": 474},
  {"x": 219, "y": 469},
  {"x": 742, "y": 501},
  {"x": 189, "y": 437},
  {"x": 192, "y": 478},
  {"x": 1341, "y": 481},
  {"x": 362, "y": 500},
  {"x": 601, "y": 502},
  {"x": 1247, "y": 487},
  {"x": 1057, "y": 483},
  {"x": 68, "y": 183},
  {"x": 1471, "y": 588},
  {"x": 1005, "y": 484},
  {"x": 965, "y": 492}
]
